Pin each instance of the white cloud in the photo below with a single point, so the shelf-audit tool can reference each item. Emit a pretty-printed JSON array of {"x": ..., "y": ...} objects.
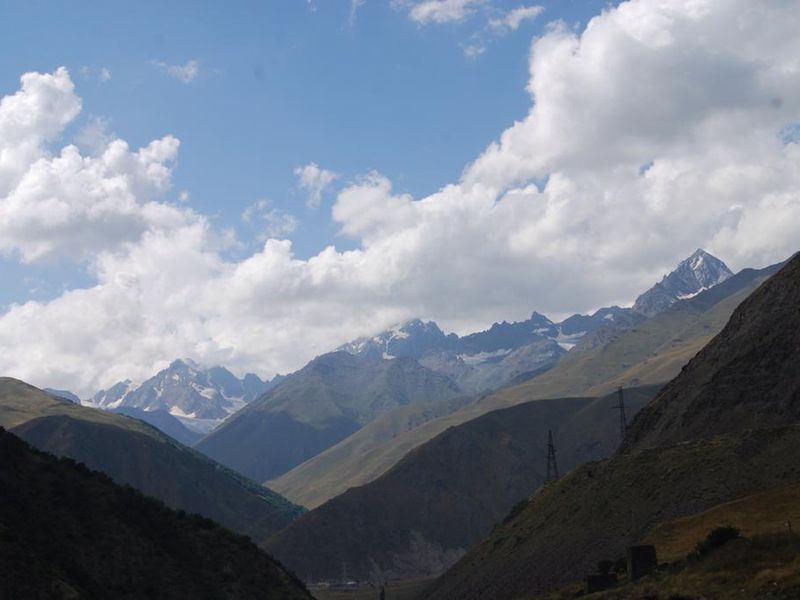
[
  {"x": 514, "y": 18},
  {"x": 185, "y": 73},
  {"x": 273, "y": 222},
  {"x": 315, "y": 181},
  {"x": 102, "y": 74},
  {"x": 354, "y": 6},
  {"x": 438, "y": 11},
  {"x": 474, "y": 50},
  {"x": 68, "y": 205},
  {"x": 654, "y": 131}
]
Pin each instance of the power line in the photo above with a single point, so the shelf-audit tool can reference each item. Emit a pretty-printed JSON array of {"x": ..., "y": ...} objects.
[
  {"x": 552, "y": 466},
  {"x": 623, "y": 421}
]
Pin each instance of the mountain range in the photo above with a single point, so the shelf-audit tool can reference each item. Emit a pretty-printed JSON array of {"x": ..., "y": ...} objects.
[
  {"x": 651, "y": 352},
  {"x": 506, "y": 353}
]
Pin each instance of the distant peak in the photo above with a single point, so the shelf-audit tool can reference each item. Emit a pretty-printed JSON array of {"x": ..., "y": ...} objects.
[
  {"x": 693, "y": 275},
  {"x": 540, "y": 318},
  {"x": 183, "y": 362}
]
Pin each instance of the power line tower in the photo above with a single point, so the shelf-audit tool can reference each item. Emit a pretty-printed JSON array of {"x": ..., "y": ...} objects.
[
  {"x": 623, "y": 421},
  {"x": 552, "y": 466}
]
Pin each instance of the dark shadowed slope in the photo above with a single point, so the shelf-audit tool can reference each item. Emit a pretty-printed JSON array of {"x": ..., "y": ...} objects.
[
  {"x": 134, "y": 453},
  {"x": 316, "y": 407},
  {"x": 444, "y": 496},
  {"x": 67, "y": 532},
  {"x": 598, "y": 509}
]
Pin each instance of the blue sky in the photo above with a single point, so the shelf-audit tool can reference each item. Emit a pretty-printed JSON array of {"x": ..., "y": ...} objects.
[{"x": 279, "y": 84}]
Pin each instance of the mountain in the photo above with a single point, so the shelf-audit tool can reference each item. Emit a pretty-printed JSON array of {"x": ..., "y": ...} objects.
[
  {"x": 66, "y": 395},
  {"x": 134, "y": 453},
  {"x": 67, "y": 532},
  {"x": 188, "y": 391},
  {"x": 411, "y": 339},
  {"x": 443, "y": 497},
  {"x": 163, "y": 421},
  {"x": 653, "y": 351},
  {"x": 666, "y": 472},
  {"x": 416, "y": 338},
  {"x": 324, "y": 402},
  {"x": 487, "y": 360},
  {"x": 697, "y": 273}
]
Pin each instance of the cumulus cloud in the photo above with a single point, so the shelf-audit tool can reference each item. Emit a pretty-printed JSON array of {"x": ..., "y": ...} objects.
[
  {"x": 185, "y": 73},
  {"x": 438, "y": 11},
  {"x": 314, "y": 180},
  {"x": 659, "y": 128},
  {"x": 514, "y": 18},
  {"x": 68, "y": 205}
]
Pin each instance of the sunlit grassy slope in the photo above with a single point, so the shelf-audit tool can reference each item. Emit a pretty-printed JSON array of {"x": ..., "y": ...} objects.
[{"x": 758, "y": 514}]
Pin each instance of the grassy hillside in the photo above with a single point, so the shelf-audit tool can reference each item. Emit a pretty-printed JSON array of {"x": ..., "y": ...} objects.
[
  {"x": 424, "y": 513},
  {"x": 134, "y": 453},
  {"x": 651, "y": 352},
  {"x": 599, "y": 509},
  {"x": 68, "y": 533},
  {"x": 760, "y": 514},
  {"x": 327, "y": 400}
]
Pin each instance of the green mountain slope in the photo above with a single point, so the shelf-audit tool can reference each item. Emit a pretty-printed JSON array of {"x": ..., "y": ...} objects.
[
  {"x": 134, "y": 453},
  {"x": 327, "y": 400},
  {"x": 600, "y": 508},
  {"x": 421, "y": 515},
  {"x": 651, "y": 352},
  {"x": 67, "y": 533}
]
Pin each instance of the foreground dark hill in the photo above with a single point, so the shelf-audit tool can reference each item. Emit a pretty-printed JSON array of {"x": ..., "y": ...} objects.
[
  {"x": 653, "y": 351},
  {"x": 598, "y": 509},
  {"x": 67, "y": 532},
  {"x": 748, "y": 376},
  {"x": 443, "y": 497},
  {"x": 134, "y": 453},
  {"x": 319, "y": 405}
]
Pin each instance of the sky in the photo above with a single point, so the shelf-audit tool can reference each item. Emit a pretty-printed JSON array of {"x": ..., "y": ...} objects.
[{"x": 254, "y": 183}]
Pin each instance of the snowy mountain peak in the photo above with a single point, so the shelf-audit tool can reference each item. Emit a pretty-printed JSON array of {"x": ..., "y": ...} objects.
[
  {"x": 409, "y": 339},
  {"x": 693, "y": 275},
  {"x": 186, "y": 390}
]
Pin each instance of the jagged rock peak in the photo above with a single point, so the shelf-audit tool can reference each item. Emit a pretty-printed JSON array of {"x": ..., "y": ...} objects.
[{"x": 695, "y": 274}]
